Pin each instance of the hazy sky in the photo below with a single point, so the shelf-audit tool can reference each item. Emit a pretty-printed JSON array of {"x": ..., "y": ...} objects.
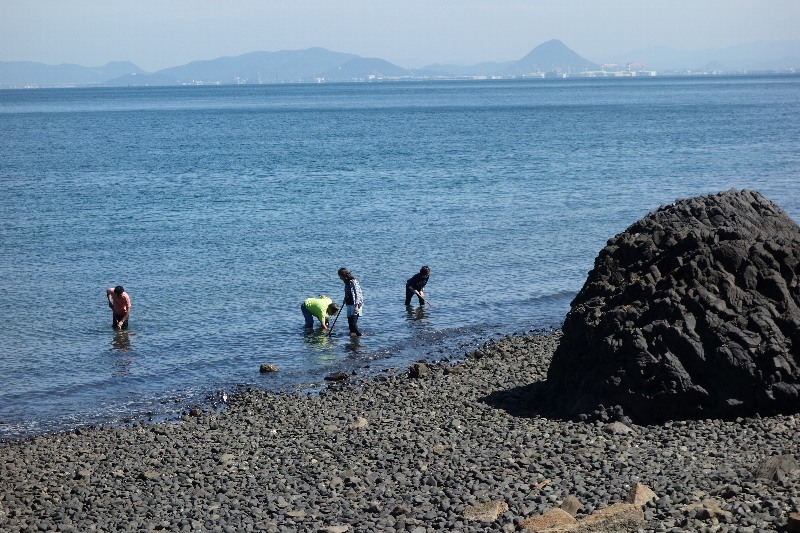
[{"x": 156, "y": 34}]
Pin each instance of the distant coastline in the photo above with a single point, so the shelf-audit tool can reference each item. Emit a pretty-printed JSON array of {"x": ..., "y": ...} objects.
[
  {"x": 549, "y": 60},
  {"x": 576, "y": 76}
]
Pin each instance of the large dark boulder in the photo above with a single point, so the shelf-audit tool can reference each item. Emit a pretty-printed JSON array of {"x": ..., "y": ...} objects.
[{"x": 692, "y": 312}]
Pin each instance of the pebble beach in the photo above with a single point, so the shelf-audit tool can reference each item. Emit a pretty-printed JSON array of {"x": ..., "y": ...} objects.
[{"x": 396, "y": 452}]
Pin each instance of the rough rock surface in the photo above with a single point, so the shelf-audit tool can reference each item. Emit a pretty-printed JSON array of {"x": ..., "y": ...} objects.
[
  {"x": 550, "y": 519},
  {"x": 618, "y": 518},
  {"x": 777, "y": 468},
  {"x": 487, "y": 512},
  {"x": 691, "y": 313},
  {"x": 640, "y": 494}
]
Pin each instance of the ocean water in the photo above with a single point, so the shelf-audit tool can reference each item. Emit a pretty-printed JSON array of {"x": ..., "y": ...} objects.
[{"x": 220, "y": 209}]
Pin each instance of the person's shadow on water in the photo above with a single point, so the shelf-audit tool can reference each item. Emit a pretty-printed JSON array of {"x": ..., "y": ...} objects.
[
  {"x": 415, "y": 314},
  {"x": 417, "y": 320},
  {"x": 120, "y": 344},
  {"x": 317, "y": 339},
  {"x": 121, "y": 341},
  {"x": 353, "y": 346}
]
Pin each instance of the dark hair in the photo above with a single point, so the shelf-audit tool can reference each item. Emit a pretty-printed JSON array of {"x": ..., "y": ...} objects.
[
  {"x": 345, "y": 274},
  {"x": 425, "y": 270},
  {"x": 118, "y": 290}
]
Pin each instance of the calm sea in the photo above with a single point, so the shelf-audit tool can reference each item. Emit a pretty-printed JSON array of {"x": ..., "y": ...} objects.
[{"x": 220, "y": 209}]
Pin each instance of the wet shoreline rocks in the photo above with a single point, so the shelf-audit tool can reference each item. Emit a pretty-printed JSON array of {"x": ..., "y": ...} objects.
[{"x": 456, "y": 448}]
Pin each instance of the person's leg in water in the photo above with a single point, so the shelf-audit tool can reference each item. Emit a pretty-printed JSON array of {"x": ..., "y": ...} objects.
[
  {"x": 409, "y": 294},
  {"x": 307, "y": 315},
  {"x": 352, "y": 321}
]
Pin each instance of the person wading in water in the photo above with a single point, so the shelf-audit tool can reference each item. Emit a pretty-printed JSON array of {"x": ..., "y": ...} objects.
[
  {"x": 318, "y": 307},
  {"x": 353, "y": 300},
  {"x": 416, "y": 285},
  {"x": 120, "y": 304}
]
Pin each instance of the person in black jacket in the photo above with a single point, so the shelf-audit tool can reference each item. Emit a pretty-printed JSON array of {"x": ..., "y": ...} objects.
[{"x": 416, "y": 285}]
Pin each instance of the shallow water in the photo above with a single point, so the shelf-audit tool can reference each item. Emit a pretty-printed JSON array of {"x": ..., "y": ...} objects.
[{"x": 220, "y": 209}]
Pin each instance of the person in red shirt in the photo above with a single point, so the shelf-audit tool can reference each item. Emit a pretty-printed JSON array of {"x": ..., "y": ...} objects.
[{"x": 120, "y": 304}]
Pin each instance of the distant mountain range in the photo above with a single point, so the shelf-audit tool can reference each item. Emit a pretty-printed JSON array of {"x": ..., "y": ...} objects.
[
  {"x": 759, "y": 56},
  {"x": 552, "y": 58},
  {"x": 23, "y": 73}
]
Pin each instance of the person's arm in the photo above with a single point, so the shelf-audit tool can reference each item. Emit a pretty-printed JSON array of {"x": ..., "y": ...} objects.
[
  {"x": 358, "y": 299},
  {"x": 422, "y": 282},
  {"x": 323, "y": 316},
  {"x": 109, "y": 292},
  {"x": 412, "y": 284}
]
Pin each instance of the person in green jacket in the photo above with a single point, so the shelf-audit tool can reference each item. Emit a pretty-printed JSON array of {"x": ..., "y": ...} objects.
[{"x": 318, "y": 307}]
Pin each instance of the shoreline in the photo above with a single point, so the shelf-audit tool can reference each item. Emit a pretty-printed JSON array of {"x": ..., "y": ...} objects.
[
  {"x": 450, "y": 346},
  {"x": 396, "y": 453},
  {"x": 172, "y": 405}
]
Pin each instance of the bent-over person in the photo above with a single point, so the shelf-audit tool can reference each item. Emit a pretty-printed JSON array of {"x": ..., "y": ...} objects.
[
  {"x": 120, "y": 304},
  {"x": 416, "y": 285},
  {"x": 318, "y": 307}
]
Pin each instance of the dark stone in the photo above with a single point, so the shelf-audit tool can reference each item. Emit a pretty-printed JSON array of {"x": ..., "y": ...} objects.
[
  {"x": 418, "y": 370},
  {"x": 400, "y": 510},
  {"x": 693, "y": 312}
]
